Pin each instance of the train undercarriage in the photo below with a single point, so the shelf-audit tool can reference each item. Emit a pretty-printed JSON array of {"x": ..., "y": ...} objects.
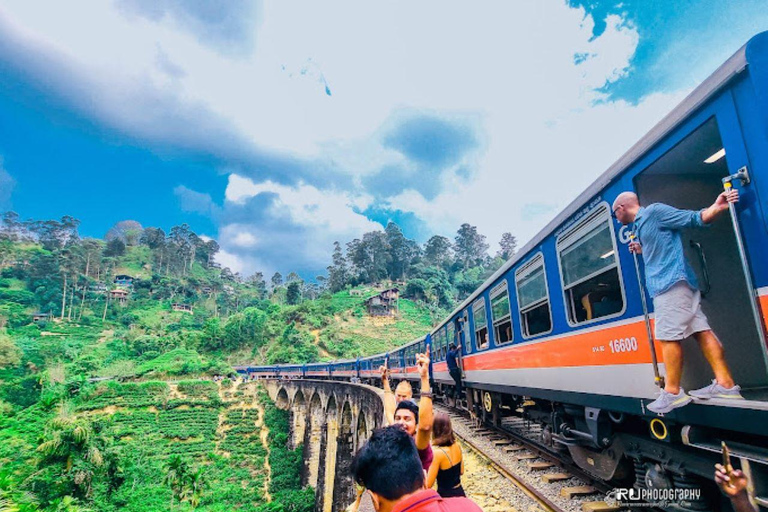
[{"x": 653, "y": 457}]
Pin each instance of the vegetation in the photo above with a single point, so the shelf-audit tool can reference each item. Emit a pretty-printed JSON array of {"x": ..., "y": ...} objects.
[{"x": 106, "y": 401}]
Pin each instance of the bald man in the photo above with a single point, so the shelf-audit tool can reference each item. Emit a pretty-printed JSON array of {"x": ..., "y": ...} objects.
[{"x": 672, "y": 285}]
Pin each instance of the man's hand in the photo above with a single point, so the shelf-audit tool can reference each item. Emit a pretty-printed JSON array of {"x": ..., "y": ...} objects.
[
  {"x": 729, "y": 196},
  {"x": 422, "y": 362},
  {"x": 635, "y": 247},
  {"x": 384, "y": 371},
  {"x": 731, "y": 482}
]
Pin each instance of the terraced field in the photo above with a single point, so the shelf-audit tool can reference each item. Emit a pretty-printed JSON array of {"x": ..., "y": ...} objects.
[{"x": 217, "y": 427}]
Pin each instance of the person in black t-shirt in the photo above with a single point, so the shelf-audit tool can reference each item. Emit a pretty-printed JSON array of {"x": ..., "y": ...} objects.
[{"x": 453, "y": 368}]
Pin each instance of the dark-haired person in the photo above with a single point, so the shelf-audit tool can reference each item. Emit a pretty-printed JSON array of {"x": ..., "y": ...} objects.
[
  {"x": 416, "y": 420},
  {"x": 451, "y": 359},
  {"x": 389, "y": 467},
  {"x": 448, "y": 463}
]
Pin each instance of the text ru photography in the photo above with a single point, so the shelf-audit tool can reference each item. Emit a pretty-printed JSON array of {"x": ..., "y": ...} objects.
[{"x": 649, "y": 498}]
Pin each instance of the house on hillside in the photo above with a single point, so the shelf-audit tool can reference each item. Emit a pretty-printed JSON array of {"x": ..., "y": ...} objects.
[
  {"x": 123, "y": 280},
  {"x": 358, "y": 293},
  {"x": 119, "y": 295},
  {"x": 184, "y": 308},
  {"x": 41, "y": 317},
  {"x": 384, "y": 304}
]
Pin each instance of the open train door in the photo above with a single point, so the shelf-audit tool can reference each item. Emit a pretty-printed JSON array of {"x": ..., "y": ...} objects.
[{"x": 690, "y": 175}]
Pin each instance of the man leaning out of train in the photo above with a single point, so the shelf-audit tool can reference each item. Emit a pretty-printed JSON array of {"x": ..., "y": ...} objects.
[
  {"x": 672, "y": 285},
  {"x": 389, "y": 467}
]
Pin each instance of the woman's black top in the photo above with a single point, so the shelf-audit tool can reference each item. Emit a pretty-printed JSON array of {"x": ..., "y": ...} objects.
[{"x": 449, "y": 480}]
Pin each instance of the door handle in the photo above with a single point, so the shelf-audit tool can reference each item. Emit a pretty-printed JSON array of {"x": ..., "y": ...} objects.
[{"x": 704, "y": 270}]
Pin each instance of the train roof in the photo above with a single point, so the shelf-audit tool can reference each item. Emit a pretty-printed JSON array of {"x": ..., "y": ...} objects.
[{"x": 700, "y": 95}]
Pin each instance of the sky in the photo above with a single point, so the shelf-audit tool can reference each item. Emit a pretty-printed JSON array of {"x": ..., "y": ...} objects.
[{"x": 279, "y": 127}]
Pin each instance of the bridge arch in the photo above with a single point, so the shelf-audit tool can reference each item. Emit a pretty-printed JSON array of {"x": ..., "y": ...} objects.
[
  {"x": 299, "y": 418},
  {"x": 282, "y": 401},
  {"x": 312, "y": 438}
]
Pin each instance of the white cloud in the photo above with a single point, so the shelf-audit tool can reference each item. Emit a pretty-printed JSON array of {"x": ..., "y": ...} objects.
[{"x": 510, "y": 65}]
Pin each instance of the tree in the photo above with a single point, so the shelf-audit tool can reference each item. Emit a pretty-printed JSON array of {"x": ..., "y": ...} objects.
[
  {"x": 438, "y": 251},
  {"x": 470, "y": 246},
  {"x": 71, "y": 449},
  {"x": 187, "y": 482},
  {"x": 115, "y": 247},
  {"x": 277, "y": 280},
  {"x": 400, "y": 251},
  {"x": 508, "y": 246},
  {"x": 128, "y": 231},
  {"x": 293, "y": 292},
  {"x": 10, "y": 355},
  {"x": 338, "y": 273}
]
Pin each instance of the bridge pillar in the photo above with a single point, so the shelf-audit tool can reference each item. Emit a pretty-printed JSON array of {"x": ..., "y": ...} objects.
[
  {"x": 344, "y": 487},
  {"x": 312, "y": 440},
  {"x": 330, "y": 442},
  {"x": 298, "y": 419}
]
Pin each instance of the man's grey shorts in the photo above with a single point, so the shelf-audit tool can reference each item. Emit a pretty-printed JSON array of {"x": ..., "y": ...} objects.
[{"x": 678, "y": 313}]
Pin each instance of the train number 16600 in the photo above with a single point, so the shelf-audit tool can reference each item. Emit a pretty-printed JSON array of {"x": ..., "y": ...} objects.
[{"x": 623, "y": 345}]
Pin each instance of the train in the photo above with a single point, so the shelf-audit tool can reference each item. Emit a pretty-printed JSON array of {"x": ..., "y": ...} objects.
[{"x": 561, "y": 334}]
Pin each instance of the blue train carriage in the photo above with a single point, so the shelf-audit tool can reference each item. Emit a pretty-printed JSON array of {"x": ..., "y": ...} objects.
[
  {"x": 369, "y": 368},
  {"x": 344, "y": 369},
  {"x": 317, "y": 370},
  {"x": 291, "y": 371},
  {"x": 257, "y": 372},
  {"x": 560, "y": 332}
]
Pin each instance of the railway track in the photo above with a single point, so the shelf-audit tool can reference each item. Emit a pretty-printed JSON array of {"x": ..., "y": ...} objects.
[{"x": 554, "y": 484}]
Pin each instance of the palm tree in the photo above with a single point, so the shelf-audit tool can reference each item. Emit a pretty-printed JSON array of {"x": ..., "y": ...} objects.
[
  {"x": 70, "y": 441},
  {"x": 187, "y": 483}
]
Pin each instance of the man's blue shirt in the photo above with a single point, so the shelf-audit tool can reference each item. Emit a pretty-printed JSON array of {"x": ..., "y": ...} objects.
[
  {"x": 658, "y": 229},
  {"x": 451, "y": 359}
]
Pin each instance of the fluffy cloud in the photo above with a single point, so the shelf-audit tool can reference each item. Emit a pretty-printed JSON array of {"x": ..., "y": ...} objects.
[
  {"x": 271, "y": 227},
  {"x": 495, "y": 115}
]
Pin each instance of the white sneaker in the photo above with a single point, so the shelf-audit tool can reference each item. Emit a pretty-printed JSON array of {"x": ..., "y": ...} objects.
[
  {"x": 667, "y": 402},
  {"x": 715, "y": 390}
]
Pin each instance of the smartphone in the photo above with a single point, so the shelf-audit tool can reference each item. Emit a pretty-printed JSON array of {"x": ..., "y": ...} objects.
[{"x": 726, "y": 456}]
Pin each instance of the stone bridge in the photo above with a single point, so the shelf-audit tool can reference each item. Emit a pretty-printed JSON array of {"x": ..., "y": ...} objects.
[{"x": 332, "y": 420}]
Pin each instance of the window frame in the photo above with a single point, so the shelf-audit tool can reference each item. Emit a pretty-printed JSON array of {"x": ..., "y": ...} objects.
[
  {"x": 496, "y": 291},
  {"x": 482, "y": 304},
  {"x": 595, "y": 217},
  {"x": 528, "y": 268}
]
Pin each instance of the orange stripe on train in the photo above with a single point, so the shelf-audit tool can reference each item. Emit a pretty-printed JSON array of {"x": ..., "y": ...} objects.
[{"x": 579, "y": 349}]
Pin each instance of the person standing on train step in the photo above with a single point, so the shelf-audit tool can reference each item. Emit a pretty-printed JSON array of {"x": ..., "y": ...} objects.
[
  {"x": 451, "y": 359},
  {"x": 672, "y": 285}
]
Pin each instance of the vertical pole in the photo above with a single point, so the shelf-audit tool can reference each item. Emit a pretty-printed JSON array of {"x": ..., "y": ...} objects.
[
  {"x": 658, "y": 379},
  {"x": 728, "y": 185}
]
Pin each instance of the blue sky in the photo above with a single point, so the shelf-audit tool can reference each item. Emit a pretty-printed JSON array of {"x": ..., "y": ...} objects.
[{"x": 278, "y": 134}]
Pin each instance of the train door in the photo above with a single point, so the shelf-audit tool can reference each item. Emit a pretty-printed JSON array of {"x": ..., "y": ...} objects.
[
  {"x": 462, "y": 332},
  {"x": 689, "y": 176}
]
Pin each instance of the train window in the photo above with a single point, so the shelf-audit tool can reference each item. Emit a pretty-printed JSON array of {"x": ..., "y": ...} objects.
[
  {"x": 533, "y": 297},
  {"x": 451, "y": 337},
  {"x": 481, "y": 324},
  {"x": 500, "y": 314},
  {"x": 589, "y": 269}
]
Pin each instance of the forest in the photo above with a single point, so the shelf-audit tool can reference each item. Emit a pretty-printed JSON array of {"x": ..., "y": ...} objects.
[{"x": 108, "y": 347}]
